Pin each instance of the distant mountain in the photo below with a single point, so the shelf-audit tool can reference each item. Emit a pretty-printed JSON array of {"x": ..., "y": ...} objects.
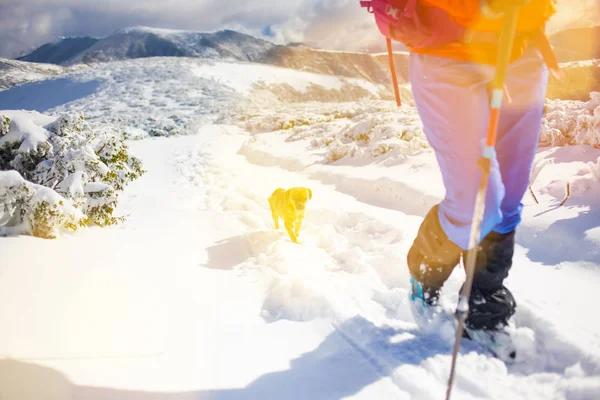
[
  {"x": 140, "y": 42},
  {"x": 60, "y": 51},
  {"x": 577, "y": 44}
]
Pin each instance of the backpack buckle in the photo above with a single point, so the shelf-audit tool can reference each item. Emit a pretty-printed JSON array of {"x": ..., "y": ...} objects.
[{"x": 367, "y": 5}]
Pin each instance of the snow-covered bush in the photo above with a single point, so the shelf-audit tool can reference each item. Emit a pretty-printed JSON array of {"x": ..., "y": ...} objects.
[
  {"x": 4, "y": 125},
  {"x": 360, "y": 130},
  {"x": 371, "y": 135},
  {"x": 257, "y": 117},
  {"x": 568, "y": 122},
  {"x": 35, "y": 209},
  {"x": 141, "y": 98},
  {"x": 82, "y": 167},
  {"x": 368, "y": 130}
]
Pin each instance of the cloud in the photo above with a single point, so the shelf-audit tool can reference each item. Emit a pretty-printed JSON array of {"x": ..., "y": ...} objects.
[
  {"x": 331, "y": 24},
  {"x": 20, "y": 27},
  {"x": 27, "y": 24}
]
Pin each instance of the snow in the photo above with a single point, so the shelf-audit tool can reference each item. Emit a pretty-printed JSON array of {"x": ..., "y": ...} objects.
[
  {"x": 75, "y": 186},
  {"x": 230, "y": 75},
  {"x": 169, "y": 96},
  {"x": 148, "y": 29},
  {"x": 196, "y": 295},
  {"x": 45, "y": 95},
  {"x": 10, "y": 178},
  {"x": 26, "y": 127},
  {"x": 17, "y": 72},
  {"x": 583, "y": 63}
]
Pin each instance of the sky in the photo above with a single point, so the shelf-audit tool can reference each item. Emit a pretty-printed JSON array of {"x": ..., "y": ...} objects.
[{"x": 329, "y": 24}]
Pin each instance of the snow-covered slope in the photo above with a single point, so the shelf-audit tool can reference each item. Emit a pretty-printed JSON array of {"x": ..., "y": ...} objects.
[
  {"x": 13, "y": 73},
  {"x": 197, "y": 296},
  {"x": 208, "y": 300},
  {"x": 167, "y": 96},
  {"x": 578, "y": 80},
  {"x": 373, "y": 67},
  {"x": 577, "y": 43}
]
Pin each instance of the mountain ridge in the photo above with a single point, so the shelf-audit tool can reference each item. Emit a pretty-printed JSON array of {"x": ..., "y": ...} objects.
[{"x": 571, "y": 45}]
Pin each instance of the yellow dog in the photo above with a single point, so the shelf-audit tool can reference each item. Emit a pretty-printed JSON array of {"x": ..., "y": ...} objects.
[{"x": 289, "y": 205}]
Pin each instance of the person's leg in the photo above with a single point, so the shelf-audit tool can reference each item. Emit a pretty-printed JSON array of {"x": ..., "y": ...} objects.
[
  {"x": 452, "y": 99},
  {"x": 491, "y": 303},
  {"x": 519, "y": 132}
]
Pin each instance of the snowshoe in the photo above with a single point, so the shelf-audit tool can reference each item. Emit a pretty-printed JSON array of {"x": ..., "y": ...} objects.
[
  {"x": 499, "y": 342},
  {"x": 426, "y": 310}
]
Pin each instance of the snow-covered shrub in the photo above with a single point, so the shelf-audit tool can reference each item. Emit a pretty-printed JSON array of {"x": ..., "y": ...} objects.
[
  {"x": 4, "y": 124},
  {"x": 568, "y": 122},
  {"x": 35, "y": 209},
  {"x": 84, "y": 166},
  {"x": 360, "y": 130},
  {"x": 163, "y": 127},
  {"x": 373, "y": 134},
  {"x": 339, "y": 150},
  {"x": 148, "y": 98},
  {"x": 257, "y": 117},
  {"x": 586, "y": 179}
]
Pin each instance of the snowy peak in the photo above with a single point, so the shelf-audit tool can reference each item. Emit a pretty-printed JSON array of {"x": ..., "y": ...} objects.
[{"x": 148, "y": 29}]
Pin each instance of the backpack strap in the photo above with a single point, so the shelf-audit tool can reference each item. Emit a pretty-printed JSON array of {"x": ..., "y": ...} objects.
[
  {"x": 541, "y": 42},
  {"x": 537, "y": 38},
  {"x": 367, "y": 5}
]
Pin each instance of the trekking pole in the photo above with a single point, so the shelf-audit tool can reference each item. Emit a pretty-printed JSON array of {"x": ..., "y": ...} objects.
[
  {"x": 393, "y": 71},
  {"x": 504, "y": 53}
]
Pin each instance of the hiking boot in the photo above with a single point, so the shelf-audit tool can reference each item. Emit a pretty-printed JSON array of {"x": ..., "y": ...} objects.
[{"x": 491, "y": 304}]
